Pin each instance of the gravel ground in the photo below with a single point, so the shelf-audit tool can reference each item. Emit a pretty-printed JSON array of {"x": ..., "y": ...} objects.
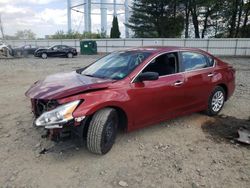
[{"x": 190, "y": 151}]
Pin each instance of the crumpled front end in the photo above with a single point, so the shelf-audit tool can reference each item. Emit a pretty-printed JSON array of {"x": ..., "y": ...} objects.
[
  {"x": 46, "y": 98},
  {"x": 57, "y": 118},
  {"x": 40, "y": 106}
]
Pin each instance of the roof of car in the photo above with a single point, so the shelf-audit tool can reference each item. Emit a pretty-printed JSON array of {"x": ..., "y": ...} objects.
[{"x": 164, "y": 48}]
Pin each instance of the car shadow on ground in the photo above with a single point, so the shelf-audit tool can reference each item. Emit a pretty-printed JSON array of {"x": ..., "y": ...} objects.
[
  {"x": 225, "y": 129},
  {"x": 72, "y": 146},
  {"x": 219, "y": 128}
]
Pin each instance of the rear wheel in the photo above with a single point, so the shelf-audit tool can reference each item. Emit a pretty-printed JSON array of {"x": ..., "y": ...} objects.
[
  {"x": 216, "y": 101},
  {"x": 102, "y": 131},
  {"x": 70, "y": 55},
  {"x": 44, "y": 56}
]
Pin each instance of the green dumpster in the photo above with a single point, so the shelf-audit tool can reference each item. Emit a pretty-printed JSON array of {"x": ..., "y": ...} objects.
[{"x": 88, "y": 47}]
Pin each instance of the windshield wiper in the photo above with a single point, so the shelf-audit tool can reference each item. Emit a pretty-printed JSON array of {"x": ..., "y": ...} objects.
[
  {"x": 102, "y": 77},
  {"x": 89, "y": 75}
]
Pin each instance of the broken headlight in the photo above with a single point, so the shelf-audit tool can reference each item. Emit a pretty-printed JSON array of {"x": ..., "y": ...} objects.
[{"x": 61, "y": 114}]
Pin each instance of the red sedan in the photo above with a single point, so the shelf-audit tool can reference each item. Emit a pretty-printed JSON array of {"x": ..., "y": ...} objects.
[{"x": 130, "y": 89}]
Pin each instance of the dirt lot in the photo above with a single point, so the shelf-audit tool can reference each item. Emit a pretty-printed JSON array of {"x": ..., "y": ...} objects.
[{"x": 191, "y": 151}]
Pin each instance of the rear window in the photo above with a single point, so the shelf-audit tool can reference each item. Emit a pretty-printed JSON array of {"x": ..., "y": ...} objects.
[{"x": 194, "y": 61}]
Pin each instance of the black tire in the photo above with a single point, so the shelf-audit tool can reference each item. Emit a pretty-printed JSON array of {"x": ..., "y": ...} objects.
[
  {"x": 69, "y": 55},
  {"x": 102, "y": 131},
  {"x": 211, "y": 110},
  {"x": 44, "y": 55}
]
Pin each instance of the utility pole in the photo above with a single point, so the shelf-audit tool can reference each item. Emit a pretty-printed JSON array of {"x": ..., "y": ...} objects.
[
  {"x": 87, "y": 16},
  {"x": 126, "y": 18},
  {"x": 115, "y": 12},
  {"x": 104, "y": 16},
  {"x": 69, "y": 16},
  {"x": 1, "y": 27}
]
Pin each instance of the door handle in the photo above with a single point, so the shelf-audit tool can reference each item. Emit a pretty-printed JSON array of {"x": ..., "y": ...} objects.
[
  {"x": 210, "y": 75},
  {"x": 177, "y": 83}
]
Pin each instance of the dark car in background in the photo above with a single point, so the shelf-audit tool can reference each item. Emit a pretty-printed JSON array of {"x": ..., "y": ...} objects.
[
  {"x": 56, "y": 51},
  {"x": 25, "y": 50}
]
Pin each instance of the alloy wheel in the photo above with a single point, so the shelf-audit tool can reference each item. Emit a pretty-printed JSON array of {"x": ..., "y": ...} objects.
[
  {"x": 217, "y": 101},
  {"x": 44, "y": 55},
  {"x": 70, "y": 55}
]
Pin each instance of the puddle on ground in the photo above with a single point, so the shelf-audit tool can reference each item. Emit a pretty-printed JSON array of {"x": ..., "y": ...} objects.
[{"x": 225, "y": 128}]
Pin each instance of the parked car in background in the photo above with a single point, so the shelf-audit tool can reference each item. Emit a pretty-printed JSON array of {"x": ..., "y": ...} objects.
[
  {"x": 130, "y": 89},
  {"x": 56, "y": 51},
  {"x": 5, "y": 50},
  {"x": 25, "y": 50}
]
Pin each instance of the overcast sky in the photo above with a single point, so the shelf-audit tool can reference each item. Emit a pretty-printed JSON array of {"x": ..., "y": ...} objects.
[{"x": 45, "y": 17}]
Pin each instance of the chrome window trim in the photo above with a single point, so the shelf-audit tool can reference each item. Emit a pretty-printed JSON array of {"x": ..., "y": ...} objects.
[{"x": 132, "y": 81}]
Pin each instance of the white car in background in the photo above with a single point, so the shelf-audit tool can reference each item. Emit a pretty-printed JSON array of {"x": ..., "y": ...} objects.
[{"x": 5, "y": 50}]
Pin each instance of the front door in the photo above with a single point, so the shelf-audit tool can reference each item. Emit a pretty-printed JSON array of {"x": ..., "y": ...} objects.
[
  {"x": 155, "y": 101},
  {"x": 53, "y": 51}
]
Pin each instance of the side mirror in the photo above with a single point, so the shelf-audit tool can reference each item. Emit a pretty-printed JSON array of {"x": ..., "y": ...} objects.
[{"x": 148, "y": 76}]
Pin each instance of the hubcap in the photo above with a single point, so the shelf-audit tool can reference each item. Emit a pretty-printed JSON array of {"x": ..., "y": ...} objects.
[
  {"x": 70, "y": 55},
  {"x": 44, "y": 55},
  {"x": 217, "y": 101}
]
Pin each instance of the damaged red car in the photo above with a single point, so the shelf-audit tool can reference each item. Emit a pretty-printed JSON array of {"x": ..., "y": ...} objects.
[{"x": 130, "y": 89}]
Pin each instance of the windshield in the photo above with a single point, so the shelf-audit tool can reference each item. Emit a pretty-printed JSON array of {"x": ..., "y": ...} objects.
[{"x": 116, "y": 65}]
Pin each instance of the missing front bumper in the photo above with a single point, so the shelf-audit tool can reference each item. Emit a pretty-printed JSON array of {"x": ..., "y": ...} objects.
[{"x": 66, "y": 132}]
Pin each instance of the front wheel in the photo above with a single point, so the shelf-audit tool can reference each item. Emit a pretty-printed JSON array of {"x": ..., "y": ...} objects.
[
  {"x": 216, "y": 101},
  {"x": 44, "y": 55},
  {"x": 102, "y": 131}
]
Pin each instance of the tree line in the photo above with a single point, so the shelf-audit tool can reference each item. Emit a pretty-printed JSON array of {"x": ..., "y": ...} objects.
[
  {"x": 114, "y": 33},
  {"x": 21, "y": 34},
  {"x": 174, "y": 18},
  {"x": 190, "y": 18},
  {"x": 28, "y": 34}
]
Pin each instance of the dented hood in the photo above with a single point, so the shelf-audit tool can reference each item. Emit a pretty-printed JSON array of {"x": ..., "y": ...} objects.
[{"x": 65, "y": 84}]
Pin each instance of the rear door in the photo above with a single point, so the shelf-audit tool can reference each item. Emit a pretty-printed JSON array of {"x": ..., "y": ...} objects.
[
  {"x": 198, "y": 71},
  {"x": 64, "y": 50},
  {"x": 154, "y": 101},
  {"x": 60, "y": 50}
]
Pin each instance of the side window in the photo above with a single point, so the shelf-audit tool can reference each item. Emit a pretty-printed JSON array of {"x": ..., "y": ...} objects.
[
  {"x": 210, "y": 61},
  {"x": 165, "y": 64},
  {"x": 55, "y": 48},
  {"x": 193, "y": 61},
  {"x": 64, "y": 47}
]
